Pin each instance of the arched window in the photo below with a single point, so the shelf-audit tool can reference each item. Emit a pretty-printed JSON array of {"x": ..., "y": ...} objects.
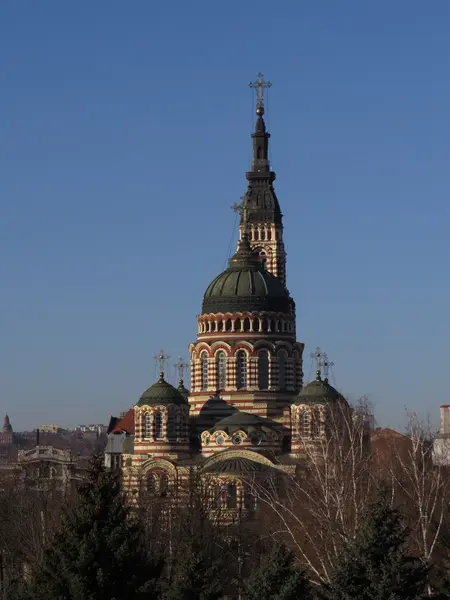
[
  {"x": 305, "y": 423},
  {"x": 282, "y": 368},
  {"x": 158, "y": 421},
  {"x": 259, "y": 152},
  {"x": 172, "y": 424},
  {"x": 221, "y": 370},
  {"x": 204, "y": 367},
  {"x": 148, "y": 426},
  {"x": 315, "y": 424},
  {"x": 263, "y": 370},
  {"x": 241, "y": 369}
]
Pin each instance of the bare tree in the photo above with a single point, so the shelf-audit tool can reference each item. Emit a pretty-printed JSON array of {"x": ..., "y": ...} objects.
[
  {"x": 320, "y": 506},
  {"x": 418, "y": 485}
]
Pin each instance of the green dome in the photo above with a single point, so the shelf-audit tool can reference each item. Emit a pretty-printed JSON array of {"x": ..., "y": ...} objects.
[
  {"x": 318, "y": 392},
  {"x": 246, "y": 286},
  {"x": 161, "y": 392}
]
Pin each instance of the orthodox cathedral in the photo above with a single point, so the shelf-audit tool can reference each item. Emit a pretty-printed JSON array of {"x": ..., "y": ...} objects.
[{"x": 247, "y": 410}]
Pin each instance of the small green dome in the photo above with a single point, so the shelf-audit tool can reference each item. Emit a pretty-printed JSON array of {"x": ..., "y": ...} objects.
[
  {"x": 318, "y": 392},
  {"x": 246, "y": 287},
  {"x": 161, "y": 392}
]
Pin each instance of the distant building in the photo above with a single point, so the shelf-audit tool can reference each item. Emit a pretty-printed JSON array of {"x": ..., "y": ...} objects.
[
  {"x": 120, "y": 439},
  {"x": 6, "y": 435},
  {"x": 96, "y": 428},
  {"x": 441, "y": 446},
  {"x": 50, "y": 428}
]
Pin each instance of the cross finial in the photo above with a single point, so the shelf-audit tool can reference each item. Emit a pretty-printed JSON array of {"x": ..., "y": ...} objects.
[
  {"x": 260, "y": 85},
  {"x": 162, "y": 359},
  {"x": 317, "y": 355},
  {"x": 327, "y": 365},
  {"x": 242, "y": 210},
  {"x": 182, "y": 367}
]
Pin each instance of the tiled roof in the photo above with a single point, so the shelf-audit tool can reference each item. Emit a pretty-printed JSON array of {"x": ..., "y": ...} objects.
[{"x": 126, "y": 423}]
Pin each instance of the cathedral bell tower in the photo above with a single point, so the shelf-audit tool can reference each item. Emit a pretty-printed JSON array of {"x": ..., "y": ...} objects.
[
  {"x": 265, "y": 224},
  {"x": 246, "y": 357}
]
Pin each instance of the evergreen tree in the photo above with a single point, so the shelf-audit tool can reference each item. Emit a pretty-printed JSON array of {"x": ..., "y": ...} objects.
[
  {"x": 277, "y": 577},
  {"x": 196, "y": 577},
  {"x": 376, "y": 565},
  {"x": 97, "y": 553}
]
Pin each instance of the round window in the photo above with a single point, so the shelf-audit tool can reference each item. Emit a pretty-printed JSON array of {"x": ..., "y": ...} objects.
[
  {"x": 220, "y": 440},
  {"x": 207, "y": 440},
  {"x": 237, "y": 439}
]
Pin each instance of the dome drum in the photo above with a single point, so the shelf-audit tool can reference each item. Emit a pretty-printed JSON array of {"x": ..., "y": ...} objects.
[{"x": 262, "y": 324}]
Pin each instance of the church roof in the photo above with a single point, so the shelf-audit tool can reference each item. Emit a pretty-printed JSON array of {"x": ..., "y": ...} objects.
[
  {"x": 243, "y": 421},
  {"x": 126, "y": 423},
  {"x": 318, "y": 391},
  {"x": 246, "y": 286},
  {"x": 161, "y": 392}
]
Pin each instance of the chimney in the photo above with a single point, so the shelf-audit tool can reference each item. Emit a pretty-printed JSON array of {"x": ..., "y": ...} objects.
[
  {"x": 37, "y": 437},
  {"x": 445, "y": 419}
]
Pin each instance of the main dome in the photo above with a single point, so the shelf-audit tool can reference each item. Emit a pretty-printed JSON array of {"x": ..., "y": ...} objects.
[{"x": 246, "y": 286}]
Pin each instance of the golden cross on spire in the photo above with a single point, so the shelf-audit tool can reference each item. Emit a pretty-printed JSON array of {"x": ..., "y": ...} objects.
[
  {"x": 242, "y": 209},
  {"x": 260, "y": 85},
  {"x": 162, "y": 359},
  {"x": 182, "y": 367}
]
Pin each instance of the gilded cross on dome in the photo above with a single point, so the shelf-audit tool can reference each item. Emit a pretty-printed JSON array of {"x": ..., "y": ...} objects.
[
  {"x": 182, "y": 367},
  {"x": 161, "y": 358},
  {"x": 327, "y": 365},
  {"x": 317, "y": 355}
]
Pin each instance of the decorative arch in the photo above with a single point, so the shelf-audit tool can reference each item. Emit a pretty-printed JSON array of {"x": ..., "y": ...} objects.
[
  {"x": 249, "y": 454},
  {"x": 279, "y": 345},
  {"x": 157, "y": 482},
  {"x": 263, "y": 344},
  {"x": 161, "y": 464},
  {"x": 242, "y": 345},
  {"x": 220, "y": 345}
]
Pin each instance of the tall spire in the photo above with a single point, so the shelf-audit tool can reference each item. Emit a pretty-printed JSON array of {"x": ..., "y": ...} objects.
[{"x": 263, "y": 215}]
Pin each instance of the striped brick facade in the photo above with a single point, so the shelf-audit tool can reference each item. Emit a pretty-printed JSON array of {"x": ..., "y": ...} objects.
[
  {"x": 266, "y": 239},
  {"x": 248, "y": 361},
  {"x": 171, "y": 441}
]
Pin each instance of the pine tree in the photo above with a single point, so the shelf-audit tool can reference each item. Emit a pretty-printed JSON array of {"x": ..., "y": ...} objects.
[
  {"x": 376, "y": 565},
  {"x": 277, "y": 577},
  {"x": 97, "y": 553},
  {"x": 196, "y": 577}
]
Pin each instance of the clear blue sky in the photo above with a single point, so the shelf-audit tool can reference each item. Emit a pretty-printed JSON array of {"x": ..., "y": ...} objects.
[{"x": 124, "y": 141}]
